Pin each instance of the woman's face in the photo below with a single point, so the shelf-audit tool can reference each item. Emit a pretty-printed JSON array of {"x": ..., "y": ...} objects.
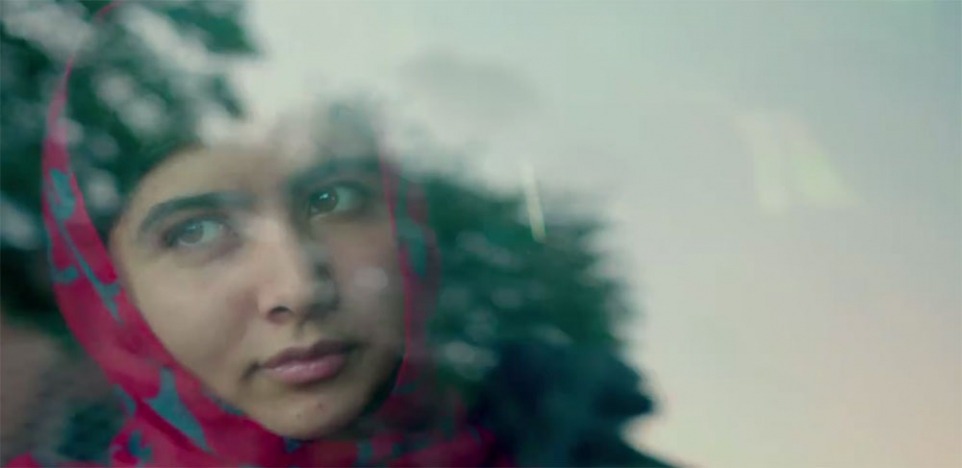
[{"x": 273, "y": 279}]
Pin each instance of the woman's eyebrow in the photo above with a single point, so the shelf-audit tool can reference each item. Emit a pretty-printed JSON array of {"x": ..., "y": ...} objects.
[
  {"x": 207, "y": 200},
  {"x": 307, "y": 178}
]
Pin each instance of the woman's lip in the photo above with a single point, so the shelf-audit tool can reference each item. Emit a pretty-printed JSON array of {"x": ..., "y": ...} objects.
[
  {"x": 320, "y": 361},
  {"x": 306, "y": 353},
  {"x": 310, "y": 370}
]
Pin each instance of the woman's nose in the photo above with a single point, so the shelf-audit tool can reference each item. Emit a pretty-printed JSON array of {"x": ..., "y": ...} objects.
[{"x": 295, "y": 280}]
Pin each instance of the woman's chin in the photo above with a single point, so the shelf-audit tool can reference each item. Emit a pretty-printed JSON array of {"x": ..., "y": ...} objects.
[
  {"x": 306, "y": 430},
  {"x": 312, "y": 419}
]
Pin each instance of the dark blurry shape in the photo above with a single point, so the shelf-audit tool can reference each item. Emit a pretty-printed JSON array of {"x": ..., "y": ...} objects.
[
  {"x": 527, "y": 328},
  {"x": 565, "y": 405},
  {"x": 129, "y": 98},
  {"x": 501, "y": 281}
]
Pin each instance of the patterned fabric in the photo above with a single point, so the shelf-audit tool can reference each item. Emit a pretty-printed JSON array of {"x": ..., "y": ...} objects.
[{"x": 170, "y": 419}]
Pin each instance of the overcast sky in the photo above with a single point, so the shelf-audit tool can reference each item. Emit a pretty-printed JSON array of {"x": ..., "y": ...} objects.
[{"x": 784, "y": 180}]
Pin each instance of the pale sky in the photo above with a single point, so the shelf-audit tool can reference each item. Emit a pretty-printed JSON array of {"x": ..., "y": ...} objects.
[{"x": 784, "y": 180}]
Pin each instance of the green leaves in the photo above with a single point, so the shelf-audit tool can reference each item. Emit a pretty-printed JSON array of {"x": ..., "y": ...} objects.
[{"x": 215, "y": 24}]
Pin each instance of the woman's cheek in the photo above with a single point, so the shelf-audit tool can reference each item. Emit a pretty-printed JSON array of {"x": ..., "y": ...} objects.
[{"x": 195, "y": 316}]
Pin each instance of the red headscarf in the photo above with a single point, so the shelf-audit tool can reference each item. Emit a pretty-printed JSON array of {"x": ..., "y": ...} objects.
[{"x": 171, "y": 420}]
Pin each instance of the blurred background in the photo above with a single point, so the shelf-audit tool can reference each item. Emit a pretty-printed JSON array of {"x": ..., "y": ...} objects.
[{"x": 773, "y": 187}]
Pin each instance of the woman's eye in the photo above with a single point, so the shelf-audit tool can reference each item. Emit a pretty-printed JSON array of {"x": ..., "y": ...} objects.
[
  {"x": 196, "y": 233},
  {"x": 335, "y": 199}
]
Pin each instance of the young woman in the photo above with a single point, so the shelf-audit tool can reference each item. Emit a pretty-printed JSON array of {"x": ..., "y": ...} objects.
[{"x": 260, "y": 306}]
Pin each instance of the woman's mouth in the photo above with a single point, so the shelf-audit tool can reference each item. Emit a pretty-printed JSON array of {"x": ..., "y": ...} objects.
[{"x": 298, "y": 366}]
